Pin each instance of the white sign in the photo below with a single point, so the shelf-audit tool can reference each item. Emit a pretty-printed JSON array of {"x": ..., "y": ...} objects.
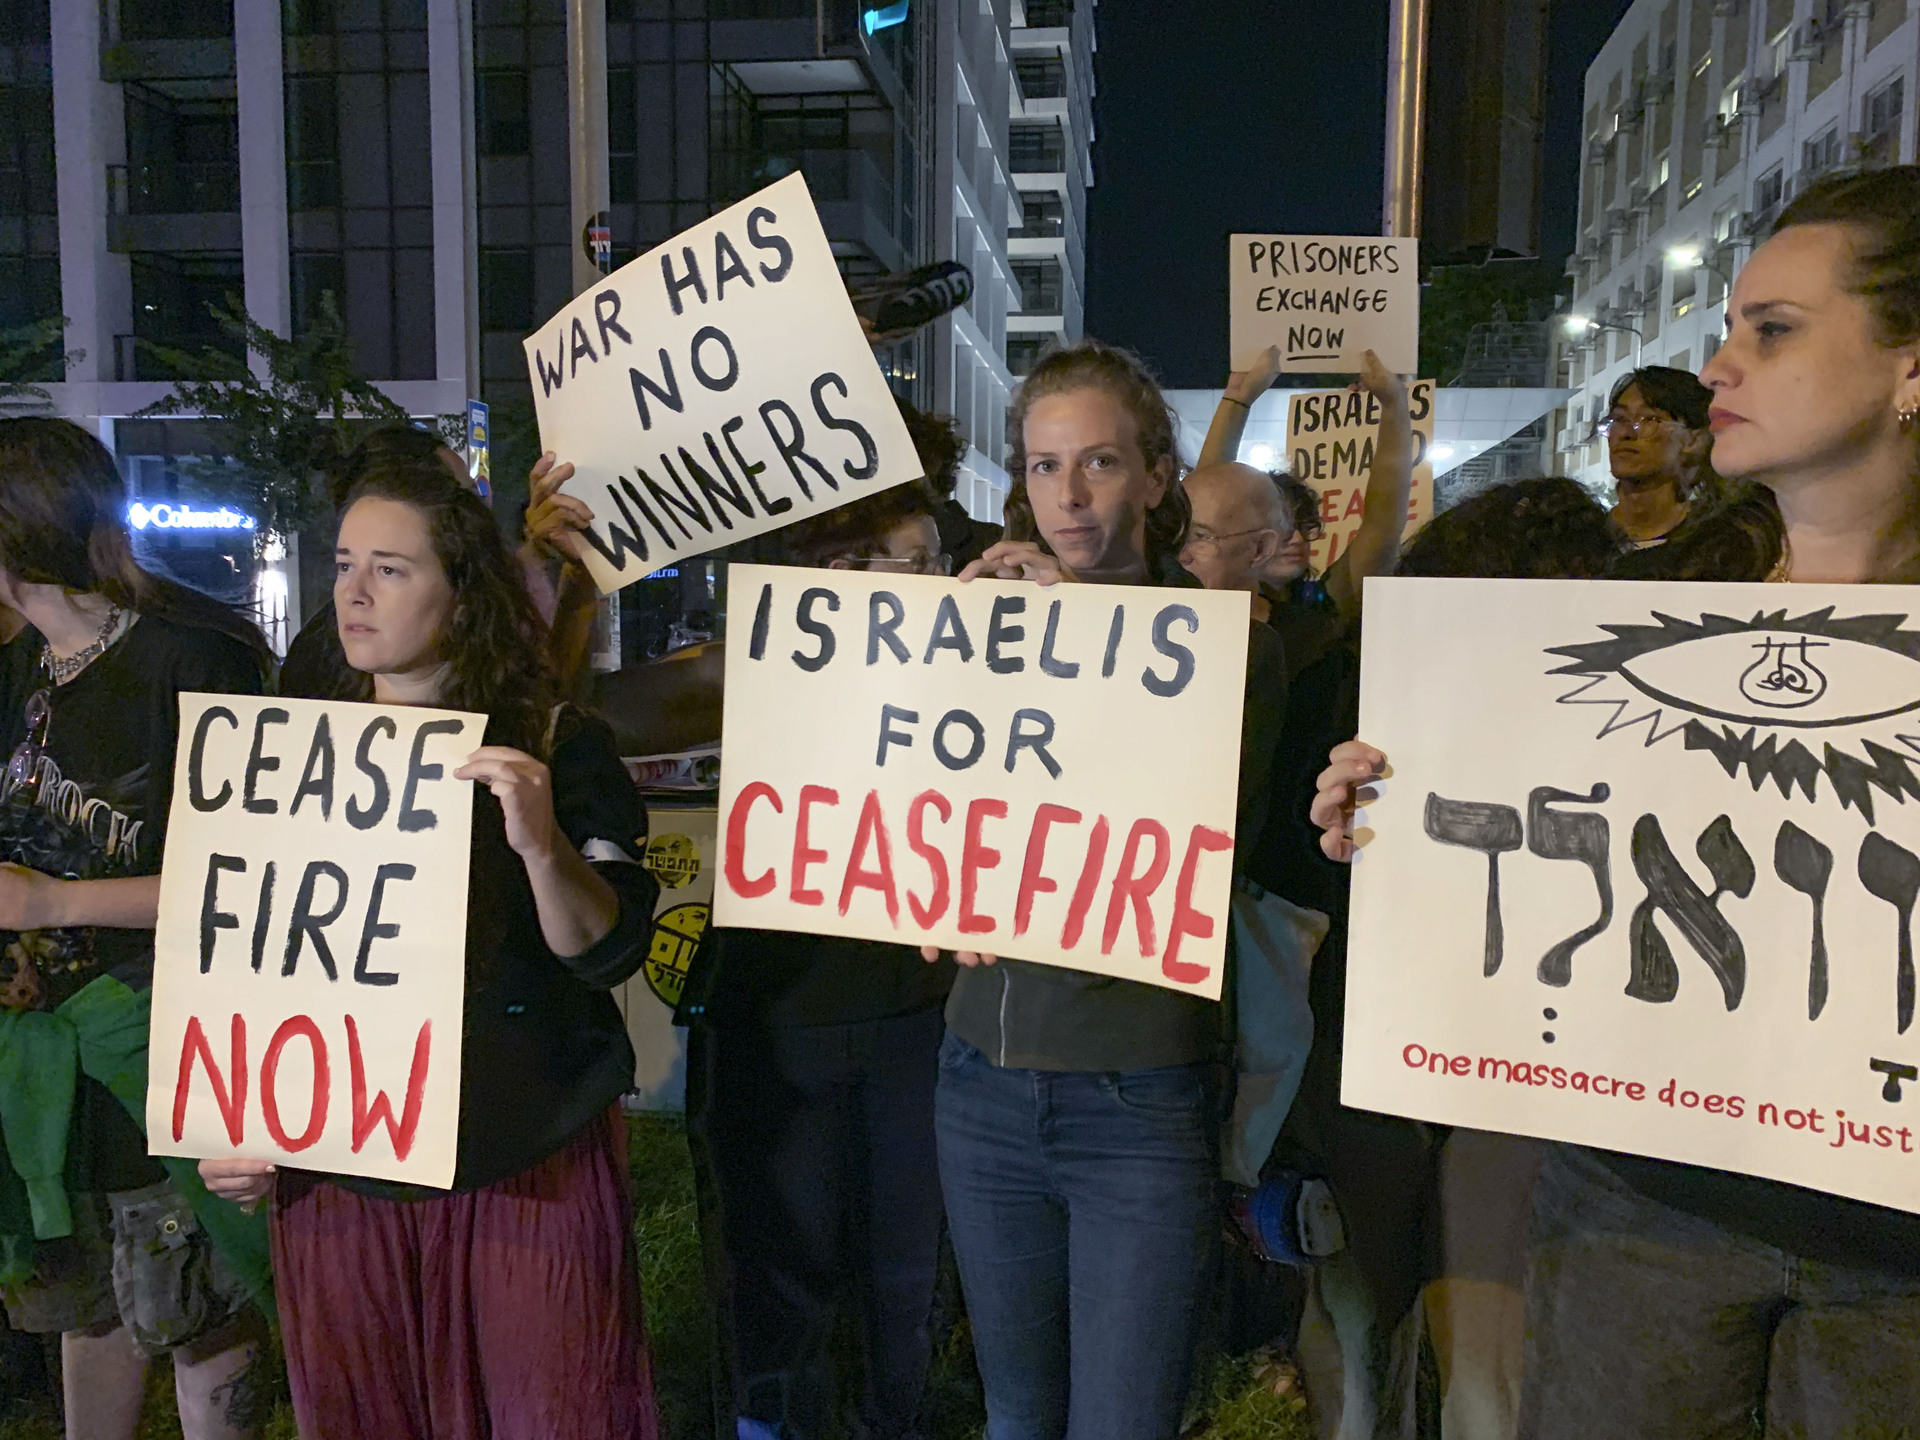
[
  {"x": 1324, "y": 300},
  {"x": 714, "y": 388},
  {"x": 310, "y": 960},
  {"x": 985, "y": 766},
  {"x": 1331, "y": 435},
  {"x": 1643, "y": 872}
]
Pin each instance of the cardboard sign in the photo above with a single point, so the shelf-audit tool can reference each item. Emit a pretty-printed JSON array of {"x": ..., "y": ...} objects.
[
  {"x": 1331, "y": 436},
  {"x": 1047, "y": 774},
  {"x": 310, "y": 960},
  {"x": 1644, "y": 870},
  {"x": 714, "y": 388},
  {"x": 1324, "y": 300}
]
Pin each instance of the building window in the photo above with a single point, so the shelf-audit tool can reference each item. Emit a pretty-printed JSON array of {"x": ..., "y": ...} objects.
[
  {"x": 1024, "y": 350},
  {"x": 1821, "y": 153},
  {"x": 313, "y": 274},
  {"x": 1042, "y": 77},
  {"x": 1043, "y": 215},
  {"x": 1768, "y": 189},
  {"x": 506, "y": 290},
  {"x": 1037, "y": 149},
  {"x": 313, "y": 142},
  {"x": 1881, "y": 112},
  {"x": 1041, "y": 288},
  {"x": 1049, "y": 14},
  {"x": 502, "y": 110}
]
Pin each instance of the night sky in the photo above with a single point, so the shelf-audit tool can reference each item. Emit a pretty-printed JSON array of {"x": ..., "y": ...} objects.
[{"x": 1251, "y": 115}]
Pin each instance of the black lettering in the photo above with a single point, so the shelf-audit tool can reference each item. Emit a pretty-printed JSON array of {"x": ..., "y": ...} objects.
[
  {"x": 376, "y": 929},
  {"x": 968, "y": 723},
  {"x": 690, "y": 279},
  {"x": 1556, "y": 835},
  {"x": 622, "y": 541},
  {"x": 1034, "y": 740},
  {"x": 672, "y": 508},
  {"x": 949, "y": 632},
  {"x": 869, "y": 452},
  {"x": 606, "y": 315},
  {"x": 305, "y": 924},
  {"x": 1892, "y": 873},
  {"x": 891, "y": 736},
  {"x": 762, "y": 618},
  {"x": 196, "y": 760},
  {"x": 1113, "y": 642},
  {"x": 1655, "y": 977},
  {"x": 1805, "y": 864},
  {"x": 1491, "y": 829},
  {"x": 885, "y": 631},
  {"x": 819, "y": 629},
  {"x": 702, "y": 336},
  {"x": 999, "y": 634},
  {"x": 581, "y": 346},
  {"x": 793, "y": 446},
  {"x": 774, "y": 243},
  {"x": 317, "y": 776},
  {"x": 727, "y": 265},
  {"x": 262, "y": 916},
  {"x": 257, "y": 763},
  {"x": 1181, "y": 656},
  {"x": 550, "y": 376},
  {"x": 411, "y": 819},
  {"x": 212, "y": 918},
  {"x": 1059, "y": 669},
  {"x": 752, "y": 470},
  {"x": 643, "y": 385},
  {"x": 712, "y": 491},
  {"x": 372, "y": 815}
]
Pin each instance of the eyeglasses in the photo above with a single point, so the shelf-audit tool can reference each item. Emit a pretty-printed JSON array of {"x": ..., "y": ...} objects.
[
  {"x": 902, "y": 564},
  {"x": 1628, "y": 426},
  {"x": 23, "y": 766},
  {"x": 1208, "y": 540}
]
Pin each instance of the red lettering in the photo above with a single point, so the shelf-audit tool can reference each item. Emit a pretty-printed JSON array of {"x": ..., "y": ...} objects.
[
  {"x": 975, "y": 857},
  {"x": 925, "y": 915},
  {"x": 1139, "y": 888},
  {"x": 1032, "y": 882},
  {"x": 803, "y": 857},
  {"x": 1356, "y": 505},
  {"x": 301, "y": 1027},
  {"x": 232, "y": 1103},
  {"x": 1186, "y": 920},
  {"x": 1082, "y": 900},
  {"x": 872, "y": 830},
  {"x": 365, "y": 1116},
  {"x": 1329, "y": 506},
  {"x": 736, "y": 846}
]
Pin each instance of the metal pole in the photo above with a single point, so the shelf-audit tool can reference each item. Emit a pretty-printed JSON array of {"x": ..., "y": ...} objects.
[
  {"x": 1406, "y": 116},
  {"x": 587, "y": 129}
]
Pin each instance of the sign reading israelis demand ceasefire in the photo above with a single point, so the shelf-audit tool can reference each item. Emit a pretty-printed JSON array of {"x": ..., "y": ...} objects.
[
  {"x": 1331, "y": 436},
  {"x": 714, "y": 388},
  {"x": 1047, "y": 774},
  {"x": 1643, "y": 872},
  {"x": 310, "y": 960},
  {"x": 1325, "y": 300}
]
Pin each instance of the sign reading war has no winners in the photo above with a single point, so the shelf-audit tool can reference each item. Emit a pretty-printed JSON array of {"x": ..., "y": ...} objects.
[
  {"x": 1042, "y": 773},
  {"x": 310, "y": 958},
  {"x": 1643, "y": 872},
  {"x": 714, "y": 388}
]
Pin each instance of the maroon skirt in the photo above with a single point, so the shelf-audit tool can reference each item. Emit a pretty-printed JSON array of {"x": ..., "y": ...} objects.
[{"x": 511, "y": 1312}]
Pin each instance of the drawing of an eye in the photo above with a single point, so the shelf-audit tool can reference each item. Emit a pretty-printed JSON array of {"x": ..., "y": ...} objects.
[{"x": 1775, "y": 677}]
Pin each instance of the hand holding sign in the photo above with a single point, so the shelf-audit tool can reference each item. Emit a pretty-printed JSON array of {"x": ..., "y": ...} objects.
[{"x": 310, "y": 957}]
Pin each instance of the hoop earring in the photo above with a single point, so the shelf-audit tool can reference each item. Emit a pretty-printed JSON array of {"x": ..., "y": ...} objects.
[{"x": 1909, "y": 417}]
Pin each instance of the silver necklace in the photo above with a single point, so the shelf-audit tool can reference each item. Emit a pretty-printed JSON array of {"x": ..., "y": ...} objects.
[{"x": 63, "y": 670}]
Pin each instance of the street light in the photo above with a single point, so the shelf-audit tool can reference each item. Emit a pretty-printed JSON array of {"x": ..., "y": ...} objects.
[
  {"x": 1691, "y": 257},
  {"x": 1583, "y": 328}
]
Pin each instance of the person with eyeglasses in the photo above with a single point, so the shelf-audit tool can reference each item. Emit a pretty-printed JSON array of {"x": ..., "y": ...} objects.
[
  {"x": 1659, "y": 449},
  {"x": 811, "y": 1067},
  {"x": 123, "y": 1256}
]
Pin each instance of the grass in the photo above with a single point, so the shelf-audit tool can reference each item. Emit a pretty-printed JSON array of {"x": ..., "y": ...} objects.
[{"x": 1230, "y": 1404}]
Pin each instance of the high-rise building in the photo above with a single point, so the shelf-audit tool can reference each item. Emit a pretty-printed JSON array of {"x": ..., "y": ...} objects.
[
  {"x": 1486, "y": 97},
  {"x": 1703, "y": 119},
  {"x": 1052, "y": 143},
  {"x": 410, "y": 159}
]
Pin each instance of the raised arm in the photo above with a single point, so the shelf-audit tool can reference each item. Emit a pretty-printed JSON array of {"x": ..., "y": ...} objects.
[
  {"x": 553, "y": 525},
  {"x": 1222, "y": 445},
  {"x": 1375, "y": 547}
]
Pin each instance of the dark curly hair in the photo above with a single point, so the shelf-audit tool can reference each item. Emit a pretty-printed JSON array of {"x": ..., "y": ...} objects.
[
  {"x": 1548, "y": 529},
  {"x": 62, "y": 522},
  {"x": 1304, "y": 503},
  {"x": 856, "y": 528},
  {"x": 494, "y": 642},
  {"x": 1093, "y": 365},
  {"x": 1882, "y": 207}
]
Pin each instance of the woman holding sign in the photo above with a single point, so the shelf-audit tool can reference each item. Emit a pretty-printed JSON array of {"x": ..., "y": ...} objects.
[
  {"x": 96, "y": 1242},
  {"x": 1670, "y": 1300},
  {"x": 1076, "y": 1113},
  {"x": 508, "y": 1305}
]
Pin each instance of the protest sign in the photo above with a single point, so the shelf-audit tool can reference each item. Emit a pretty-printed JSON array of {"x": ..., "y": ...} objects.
[
  {"x": 1046, "y": 774},
  {"x": 310, "y": 960},
  {"x": 1324, "y": 300},
  {"x": 683, "y": 853},
  {"x": 714, "y": 388},
  {"x": 1331, "y": 436},
  {"x": 1643, "y": 872}
]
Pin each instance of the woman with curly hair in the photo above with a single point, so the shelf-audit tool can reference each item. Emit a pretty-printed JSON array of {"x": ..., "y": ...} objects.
[{"x": 509, "y": 1304}]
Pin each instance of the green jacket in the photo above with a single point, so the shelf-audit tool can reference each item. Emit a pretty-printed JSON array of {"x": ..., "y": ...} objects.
[{"x": 101, "y": 1032}]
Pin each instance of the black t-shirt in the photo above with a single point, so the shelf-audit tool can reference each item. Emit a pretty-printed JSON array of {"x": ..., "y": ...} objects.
[
  {"x": 97, "y": 809},
  {"x": 546, "y": 1048},
  {"x": 779, "y": 977}
]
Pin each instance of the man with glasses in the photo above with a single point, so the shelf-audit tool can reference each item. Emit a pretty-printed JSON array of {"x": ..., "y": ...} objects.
[{"x": 1240, "y": 523}]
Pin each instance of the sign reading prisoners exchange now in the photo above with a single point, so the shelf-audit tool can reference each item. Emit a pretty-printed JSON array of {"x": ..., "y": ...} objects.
[
  {"x": 1330, "y": 441},
  {"x": 1643, "y": 872},
  {"x": 714, "y": 388},
  {"x": 310, "y": 960},
  {"x": 983, "y": 766},
  {"x": 1324, "y": 300}
]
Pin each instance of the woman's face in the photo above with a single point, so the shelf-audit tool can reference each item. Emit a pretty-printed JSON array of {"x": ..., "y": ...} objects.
[
  {"x": 391, "y": 598},
  {"x": 1803, "y": 384},
  {"x": 1089, "y": 485},
  {"x": 1644, "y": 443}
]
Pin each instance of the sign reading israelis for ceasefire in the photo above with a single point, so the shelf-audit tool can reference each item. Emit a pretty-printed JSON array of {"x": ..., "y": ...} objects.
[
  {"x": 714, "y": 388},
  {"x": 1325, "y": 300},
  {"x": 985, "y": 766},
  {"x": 1643, "y": 871},
  {"x": 1331, "y": 436},
  {"x": 310, "y": 959}
]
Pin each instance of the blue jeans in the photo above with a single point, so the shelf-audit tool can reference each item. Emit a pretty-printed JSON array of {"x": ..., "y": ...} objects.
[{"x": 1085, "y": 1216}]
